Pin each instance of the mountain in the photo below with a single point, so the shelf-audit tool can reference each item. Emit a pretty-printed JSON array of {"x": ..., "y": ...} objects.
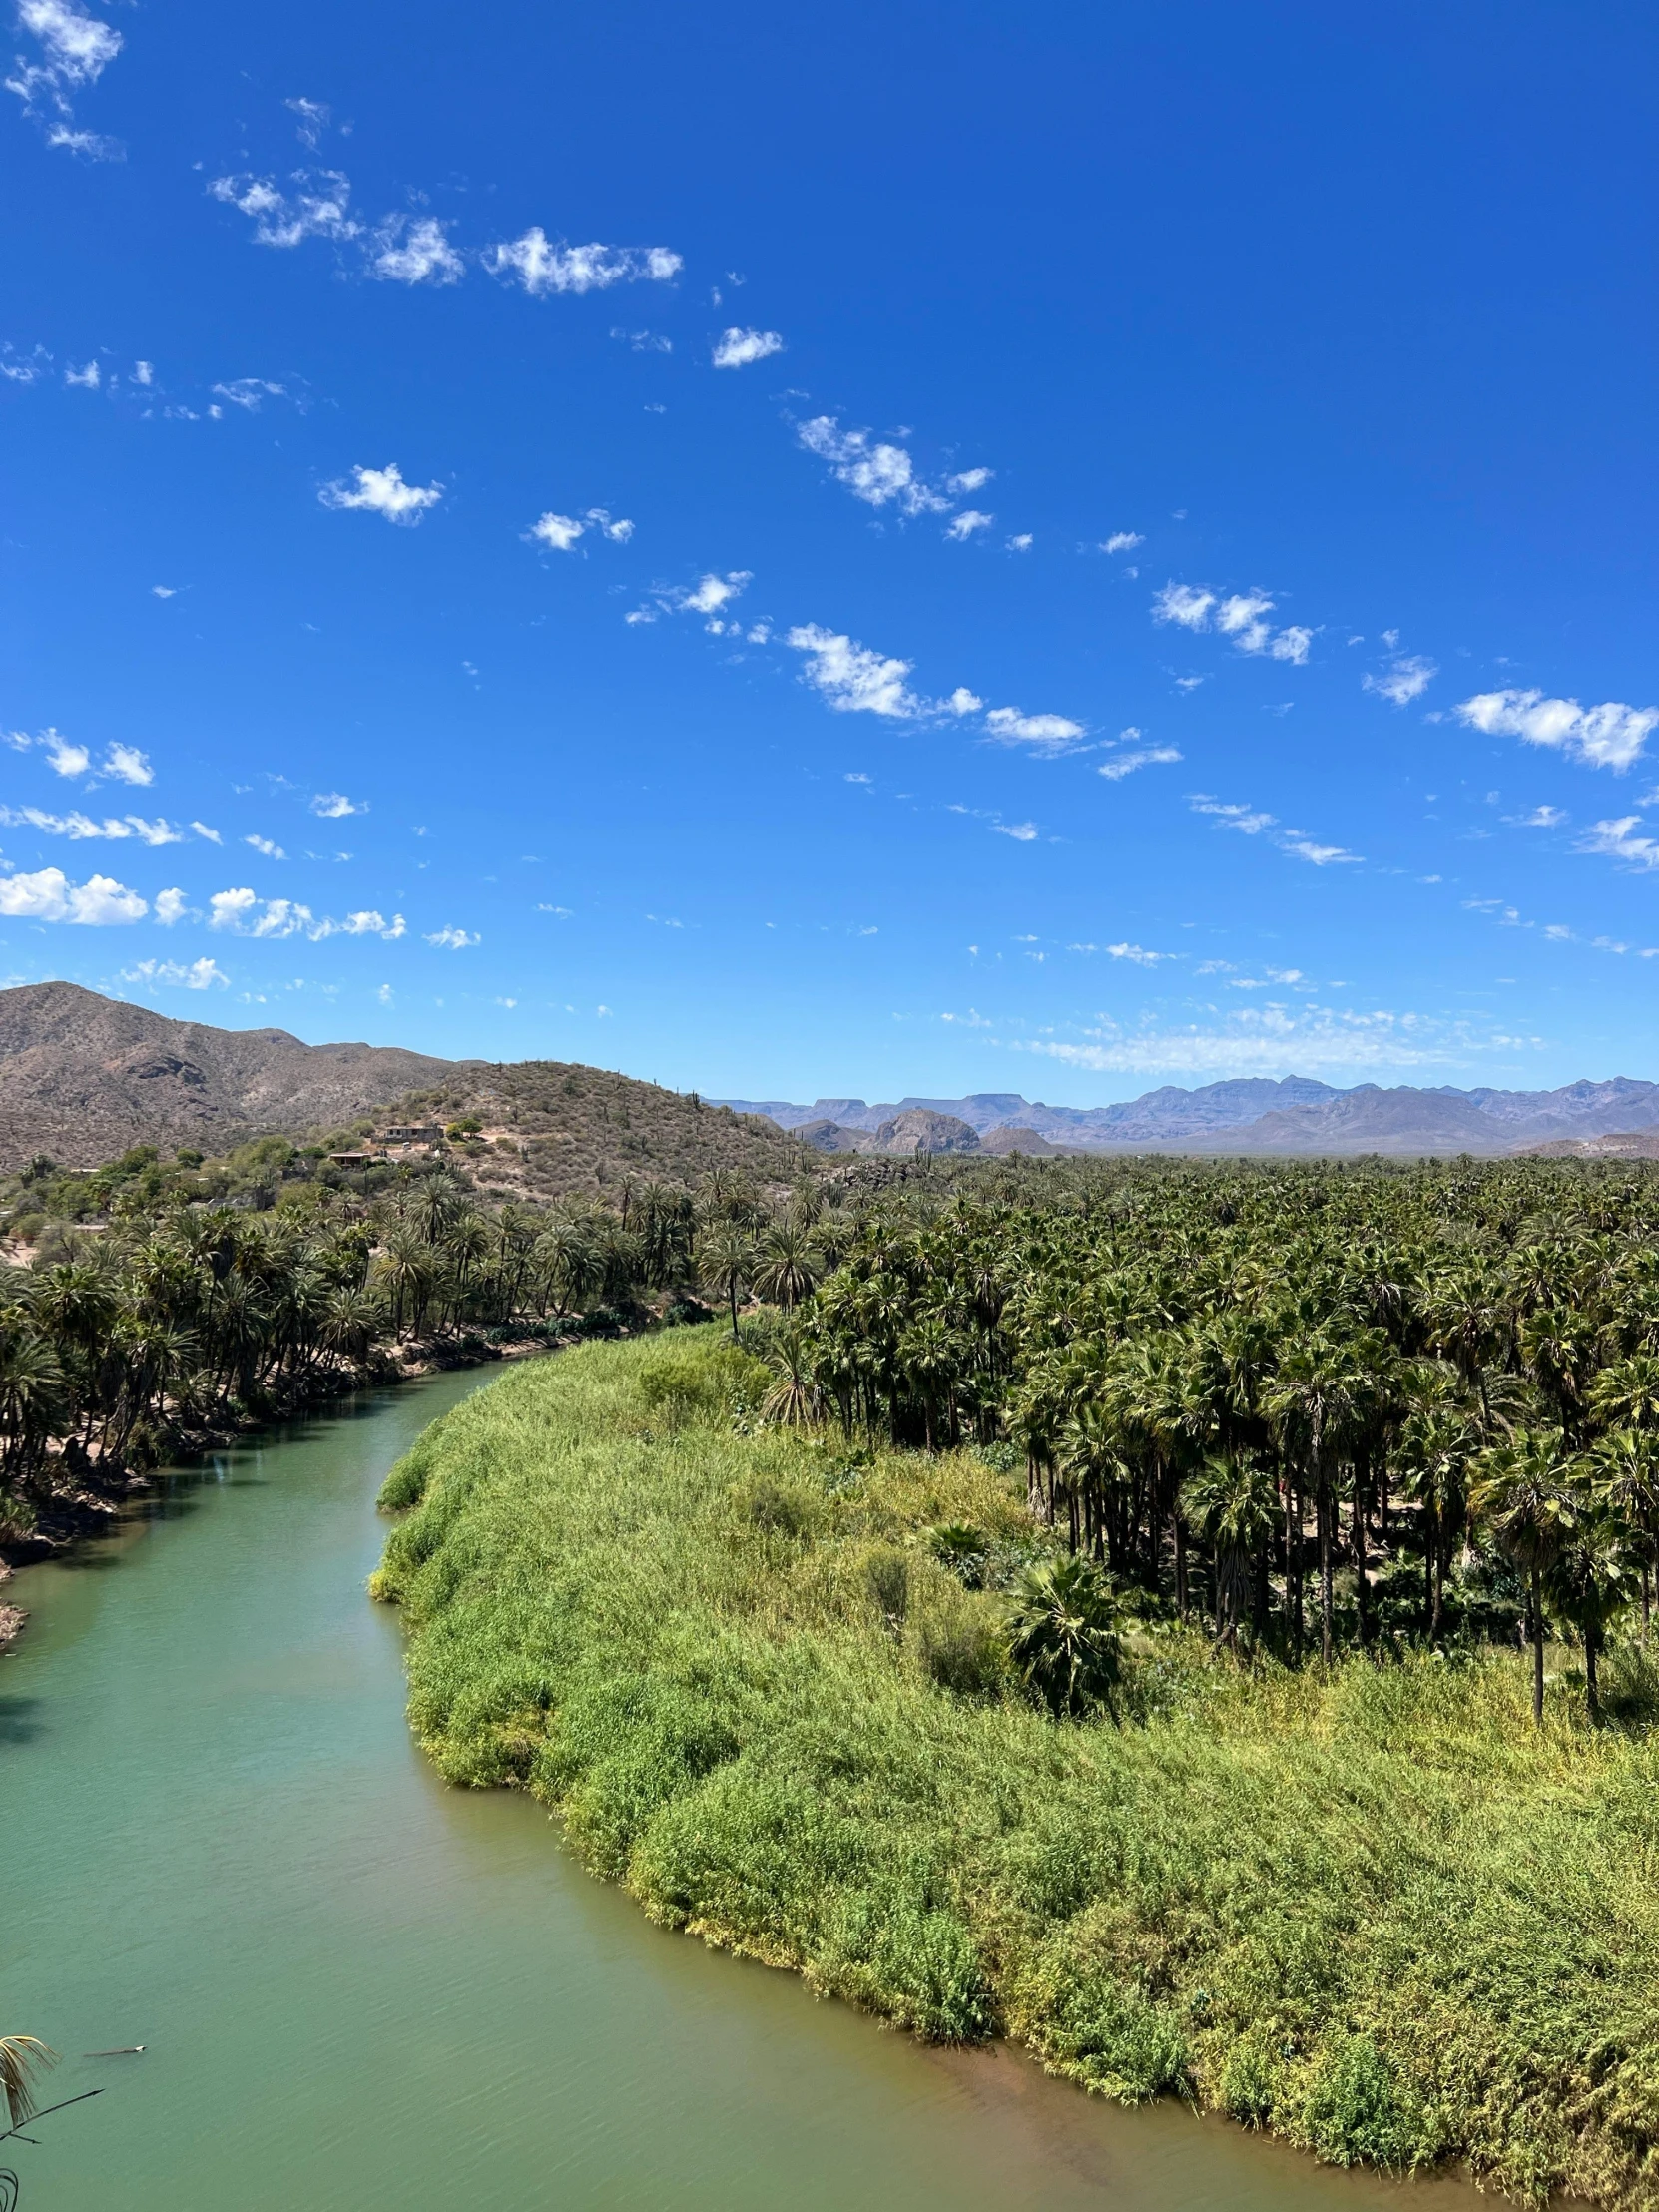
[
  {"x": 84, "y": 1077},
  {"x": 1256, "y": 1114}
]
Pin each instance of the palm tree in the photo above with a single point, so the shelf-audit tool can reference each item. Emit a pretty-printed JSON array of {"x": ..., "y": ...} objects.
[
  {"x": 795, "y": 1399},
  {"x": 1590, "y": 1578},
  {"x": 1521, "y": 1495},
  {"x": 726, "y": 1266},
  {"x": 788, "y": 1268},
  {"x": 1064, "y": 1638},
  {"x": 21, "y": 2058},
  {"x": 1231, "y": 1501}
]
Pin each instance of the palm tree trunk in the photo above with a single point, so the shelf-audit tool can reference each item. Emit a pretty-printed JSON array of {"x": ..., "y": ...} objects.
[
  {"x": 1181, "y": 1566},
  {"x": 1592, "y": 1686},
  {"x": 1361, "y": 1587},
  {"x": 1327, "y": 1594},
  {"x": 1537, "y": 1648}
]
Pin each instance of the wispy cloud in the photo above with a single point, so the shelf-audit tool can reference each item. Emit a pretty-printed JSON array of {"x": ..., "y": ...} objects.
[
  {"x": 1624, "y": 839},
  {"x": 242, "y": 914},
  {"x": 79, "y": 825},
  {"x": 74, "y": 49},
  {"x": 414, "y": 250},
  {"x": 560, "y": 532},
  {"x": 1024, "y": 833},
  {"x": 266, "y": 845},
  {"x": 1240, "y": 616},
  {"x": 545, "y": 267},
  {"x": 382, "y": 492},
  {"x": 453, "y": 939},
  {"x": 1253, "y": 821},
  {"x": 127, "y": 765},
  {"x": 48, "y": 896},
  {"x": 314, "y": 117},
  {"x": 735, "y": 348},
  {"x": 1276, "y": 1039},
  {"x": 317, "y": 207},
  {"x": 1122, "y": 541},
  {"x": 854, "y": 678},
  {"x": 193, "y": 975},
  {"x": 1609, "y": 735},
  {"x": 1405, "y": 678},
  {"x": 249, "y": 392},
  {"x": 1149, "y": 756},
  {"x": 967, "y": 524},
  {"x": 1046, "y": 734},
  {"x": 874, "y": 470},
  {"x": 335, "y": 806},
  {"x": 707, "y": 597}
]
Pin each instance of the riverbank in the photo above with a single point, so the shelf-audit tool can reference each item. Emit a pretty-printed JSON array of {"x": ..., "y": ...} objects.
[
  {"x": 1375, "y": 1912},
  {"x": 88, "y": 1496}
]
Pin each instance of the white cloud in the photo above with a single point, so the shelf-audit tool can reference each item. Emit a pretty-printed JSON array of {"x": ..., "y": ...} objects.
[
  {"x": 1404, "y": 679},
  {"x": 457, "y": 941},
  {"x": 542, "y": 267},
  {"x": 48, "y": 896},
  {"x": 79, "y": 825},
  {"x": 968, "y": 479},
  {"x": 144, "y": 372},
  {"x": 878, "y": 473},
  {"x": 1609, "y": 735},
  {"x": 737, "y": 349},
  {"x": 964, "y": 702},
  {"x": 1620, "y": 841},
  {"x": 416, "y": 250},
  {"x": 1240, "y": 616},
  {"x": 1138, "y": 955},
  {"x": 164, "y": 591},
  {"x": 335, "y": 806},
  {"x": 171, "y": 907},
  {"x": 1125, "y": 764},
  {"x": 319, "y": 208},
  {"x": 250, "y": 392},
  {"x": 1047, "y": 734},
  {"x": 1123, "y": 541},
  {"x": 1541, "y": 817},
  {"x": 127, "y": 764},
  {"x": 197, "y": 976},
  {"x": 371, "y": 923},
  {"x": 964, "y": 526},
  {"x": 24, "y": 368},
  {"x": 76, "y": 49},
  {"x": 1021, "y": 544},
  {"x": 645, "y": 341},
  {"x": 202, "y": 831},
  {"x": 1024, "y": 831},
  {"x": 271, "y": 850},
  {"x": 1275, "y": 1039},
  {"x": 1185, "y": 604},
  {"x": 382, "y": 492},
  {"x": 62, "y": 757},
  {"x": 314, "y": 117},
  {"x": 84, "y": 379},
  {"x": 560, "y": 532},
  {"x": 1320, "y": 855},
  {"x": 711, "y": 593},
  {"x": 852, "y": 678}
]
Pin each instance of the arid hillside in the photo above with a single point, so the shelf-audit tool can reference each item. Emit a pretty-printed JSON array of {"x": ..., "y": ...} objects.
[{"x": 83, "y": 1078}]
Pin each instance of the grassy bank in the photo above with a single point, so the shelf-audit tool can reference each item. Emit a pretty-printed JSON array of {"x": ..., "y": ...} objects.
[{"x": 1374, "y": 1911}]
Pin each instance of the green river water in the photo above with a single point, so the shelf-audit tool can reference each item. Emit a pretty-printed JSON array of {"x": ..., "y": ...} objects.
[{"x": 361, "y": 1991}]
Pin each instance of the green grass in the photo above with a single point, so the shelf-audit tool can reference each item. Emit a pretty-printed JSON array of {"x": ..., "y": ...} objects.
[{"x": 1375, "y": 1913}]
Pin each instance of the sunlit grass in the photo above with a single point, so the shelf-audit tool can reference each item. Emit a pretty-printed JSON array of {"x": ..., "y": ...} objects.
[{"x": 1376, "y": 1913}]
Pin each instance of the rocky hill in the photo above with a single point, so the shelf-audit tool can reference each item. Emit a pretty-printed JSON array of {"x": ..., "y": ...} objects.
[
  {"x": 83, "y": 1078},
  {"x": 1253, "y": 1114}
]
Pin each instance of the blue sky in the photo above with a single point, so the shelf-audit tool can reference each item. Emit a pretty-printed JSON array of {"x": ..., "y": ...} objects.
[{"x": 1048, "y": 549}]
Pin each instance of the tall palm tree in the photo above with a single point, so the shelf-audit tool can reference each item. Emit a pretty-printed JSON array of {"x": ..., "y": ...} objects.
[
  {"x": 726, "y": 1266},
  {"x": 1522, "y": 1495}
]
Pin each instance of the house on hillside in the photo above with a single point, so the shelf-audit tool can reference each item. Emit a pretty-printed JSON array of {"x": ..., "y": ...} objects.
[{"x": 411, "y": 1133}]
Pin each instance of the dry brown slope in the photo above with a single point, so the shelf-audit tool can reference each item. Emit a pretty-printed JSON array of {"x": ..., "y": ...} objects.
[{"x": 83, "y": 1077}]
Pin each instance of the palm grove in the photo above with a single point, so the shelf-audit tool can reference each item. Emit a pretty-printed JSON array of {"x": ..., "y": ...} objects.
[{"x": 1312, "y": 1405}]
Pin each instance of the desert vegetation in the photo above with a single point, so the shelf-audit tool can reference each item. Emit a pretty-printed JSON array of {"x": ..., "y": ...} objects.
[{"x": 1194, "y": 1620}]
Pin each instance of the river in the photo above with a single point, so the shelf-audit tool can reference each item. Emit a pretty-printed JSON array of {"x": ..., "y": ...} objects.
[{"x": 361, "y": 1991}]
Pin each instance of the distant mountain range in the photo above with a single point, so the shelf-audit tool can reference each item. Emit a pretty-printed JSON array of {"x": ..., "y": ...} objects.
[{"x": 1251, "y": 1114}]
